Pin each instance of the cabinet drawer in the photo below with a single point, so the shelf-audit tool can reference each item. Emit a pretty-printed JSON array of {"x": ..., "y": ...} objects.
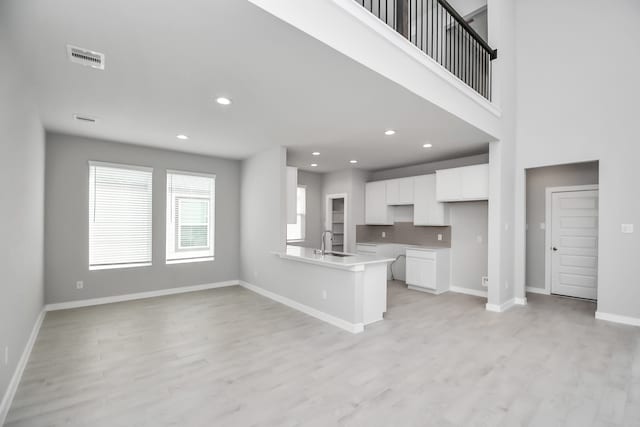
[{"x": 416, "y": 253}]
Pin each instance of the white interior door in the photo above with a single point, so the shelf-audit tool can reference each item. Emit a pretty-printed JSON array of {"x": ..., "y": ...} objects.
[{"x": 574, "y": 243}]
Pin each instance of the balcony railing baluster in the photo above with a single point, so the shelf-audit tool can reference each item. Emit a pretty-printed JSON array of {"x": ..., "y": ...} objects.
[{"x": 434, "y": 27}]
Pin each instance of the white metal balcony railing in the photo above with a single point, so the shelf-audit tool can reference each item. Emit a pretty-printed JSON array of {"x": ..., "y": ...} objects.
[{"x": 439, "y": 31}]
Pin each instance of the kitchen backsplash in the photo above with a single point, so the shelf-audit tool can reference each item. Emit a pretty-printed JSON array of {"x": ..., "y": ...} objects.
[{"x": 404, "y": 232}]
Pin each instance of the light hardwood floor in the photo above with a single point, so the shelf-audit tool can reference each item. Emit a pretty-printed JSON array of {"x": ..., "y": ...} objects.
[{"x": 229, "y": 357}]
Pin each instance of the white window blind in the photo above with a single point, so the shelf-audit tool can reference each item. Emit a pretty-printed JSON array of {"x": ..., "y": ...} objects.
[
  {"x": 190, "y": 217},
  {"x": 296, "y": 231},
  {"x": 119, "y": 216}
]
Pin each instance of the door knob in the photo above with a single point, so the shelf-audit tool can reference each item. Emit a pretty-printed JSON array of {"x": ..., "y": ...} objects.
[{"x": 554, "y": 249}]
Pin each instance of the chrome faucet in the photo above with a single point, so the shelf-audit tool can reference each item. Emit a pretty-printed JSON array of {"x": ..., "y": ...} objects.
[{"x": 322, "y": 243}]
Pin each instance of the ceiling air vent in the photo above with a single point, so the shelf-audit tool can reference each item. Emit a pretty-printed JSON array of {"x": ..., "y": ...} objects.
[
  {"x": 85, "y": 57},
  {"x": 84, "y": 118}
]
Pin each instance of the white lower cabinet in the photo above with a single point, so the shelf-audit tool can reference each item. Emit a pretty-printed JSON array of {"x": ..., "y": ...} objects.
[{"x": 428, "y": 270}]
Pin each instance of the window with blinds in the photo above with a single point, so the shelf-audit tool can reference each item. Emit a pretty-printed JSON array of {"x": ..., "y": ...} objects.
[
  {"x": 295, "y": 232},
  {"x": 190, "y": 217},
  {"x": 120, "y": 219}
]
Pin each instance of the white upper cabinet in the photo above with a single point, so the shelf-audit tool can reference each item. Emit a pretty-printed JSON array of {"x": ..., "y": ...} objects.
[
  {"x": 463, "y": 184},
  {"x": 426, "y": 209},
  {"x": 377, "y": 211},
  {"x": 400, "y": 191},
  {"x": 292, "y": 194}
]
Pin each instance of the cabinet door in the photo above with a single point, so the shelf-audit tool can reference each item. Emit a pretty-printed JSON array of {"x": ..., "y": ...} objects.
[
  {"x": 405, "y": 191},
  {"x": 426, "y": 209},
  {"x": 448, "y": 185},
  {"x": 421, "y": 272},
  {"x": 393, "y": 191},
  {"x": 475, "y": 182},
  {"x": 376, "y": 209}
]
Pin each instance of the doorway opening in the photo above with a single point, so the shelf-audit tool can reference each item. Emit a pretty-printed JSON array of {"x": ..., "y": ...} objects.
[
  {"x": 336, "y": 222},
  {"x": 562, "y": 230}
]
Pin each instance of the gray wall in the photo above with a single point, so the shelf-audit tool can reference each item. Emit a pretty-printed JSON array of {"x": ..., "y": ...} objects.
[
  {"x": 352, "y": 182},
  {"x": 469, "y": 251},
  {"x": 538, "y": 179},
  {"x": 313, "y": 226},
  {"x": 21, "y": 213},
  {"x": 427, "y": 168},
  {"x": 66, "y": 227}
]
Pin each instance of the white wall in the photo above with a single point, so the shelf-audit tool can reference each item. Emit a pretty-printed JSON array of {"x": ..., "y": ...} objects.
[
  {"x": 577, "y": 101},
  {"x": 21, "y": 212},
  {"x": 538, "y": 179}
]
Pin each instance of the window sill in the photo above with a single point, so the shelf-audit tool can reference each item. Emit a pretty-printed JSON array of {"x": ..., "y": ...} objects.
[
  {"x": 296, "y": 241},
  {"x": 118, "y": 266},
  {"x": 190, "y": 260}
]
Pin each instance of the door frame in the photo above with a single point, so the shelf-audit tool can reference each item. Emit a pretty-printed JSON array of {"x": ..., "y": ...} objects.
[
  {"x": 329, "y": 216},
  {"x": 548, "y": 227}
]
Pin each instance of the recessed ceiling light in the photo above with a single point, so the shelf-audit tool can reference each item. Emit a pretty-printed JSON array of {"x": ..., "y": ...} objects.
[
  {"x": 428, "y": 145},
  {"x": 353, "y": 161},
  {"x": 389, "y": 132},
  {"x": 182, "y": 136},
  {"x": 223, "y": 101},
  {"x": 315, "y": 153},
  {"x": 314, "y": 165}
]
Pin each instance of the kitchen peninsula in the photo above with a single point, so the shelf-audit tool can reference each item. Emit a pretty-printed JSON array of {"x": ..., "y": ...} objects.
[{"x": 352, "y": 288}]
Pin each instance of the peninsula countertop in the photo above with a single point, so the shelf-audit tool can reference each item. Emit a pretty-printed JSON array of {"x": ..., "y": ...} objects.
[{"x": 354, "y": 262}]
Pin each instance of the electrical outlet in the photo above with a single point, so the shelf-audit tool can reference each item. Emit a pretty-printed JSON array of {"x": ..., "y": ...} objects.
[
  {"x": 485, "y": 281},
  {"x": 506, "y": 285},
  {"x": 255, "y": 274},
  {"x": 324, "y": 294},
  {"x": 439, "y": 236},
  {"x": 627, "y": 228},
  {"x": 543, "y": 226},
  {"x": 506, "y": 226},
  {"x": 6, "y": 355},
  {"x": 479, "y": 238},
  {"x": 384, "y": 234},
  {"x": 79, "y": 284}
]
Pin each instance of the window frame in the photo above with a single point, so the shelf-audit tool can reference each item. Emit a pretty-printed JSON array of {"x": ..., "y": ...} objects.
[
  {"x": 302, "y": 217},
  {"x": 122, "y": 265},
  {"x": 172, "y": 223}
]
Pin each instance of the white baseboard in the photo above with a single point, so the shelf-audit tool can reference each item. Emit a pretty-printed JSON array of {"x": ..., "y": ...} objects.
[
  {"x": 467, "y": 291},
  {"x": 5, "y": 404},
  {"x": 533, "y": 290},
  {"x": 625, "y": 320},
  {"x": 354, "y": 328},
  {"x": 502, "y": 307},
  {"x": 139, "y": 295},
  {"x": 425, "y": 290}
]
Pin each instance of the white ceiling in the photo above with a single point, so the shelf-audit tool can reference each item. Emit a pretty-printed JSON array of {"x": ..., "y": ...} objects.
[{"x": 166, "y": 62}]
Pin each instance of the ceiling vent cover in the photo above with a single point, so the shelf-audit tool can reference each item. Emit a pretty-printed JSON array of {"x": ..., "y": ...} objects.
[{"x": 86, "y": 57}]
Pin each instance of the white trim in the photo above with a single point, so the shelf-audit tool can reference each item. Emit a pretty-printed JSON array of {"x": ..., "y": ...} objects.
[
  {"x": 189, "y": 260},
  {"x": 17, "y": 374},
  {"x": 615, "y": 318},
  {"x": 126, "y": 166},
  {"x": 502, "y": 307},
  {"x": 535, "y": 290},
  {"x": 467, "y": 291},
  {"x": 354, "y": 328},
  {"x": 390, "y": 35},
  {"x": 549, "y": 226},
  {"x": 520, "y": 301},
  {"x": 139, "y": 295}
]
